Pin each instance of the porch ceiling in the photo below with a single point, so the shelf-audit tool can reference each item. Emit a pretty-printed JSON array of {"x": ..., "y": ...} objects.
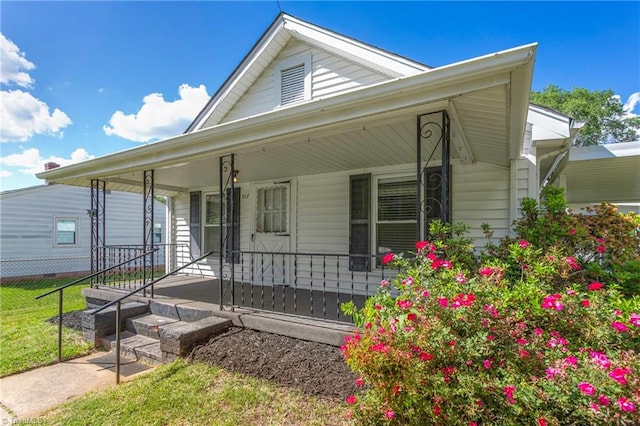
[{"x": 479, "y": 133}]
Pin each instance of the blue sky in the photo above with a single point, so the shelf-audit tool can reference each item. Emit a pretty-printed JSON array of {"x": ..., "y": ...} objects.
[{"x": 84, "y": 79}]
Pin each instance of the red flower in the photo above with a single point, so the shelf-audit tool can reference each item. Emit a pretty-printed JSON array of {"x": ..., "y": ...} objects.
[
  {"x": 486, "y": 271},
  {"x": 425, "y": 356},
  {"x": 523, "y": 244},
  {"x": 626, "y": 405},
  {"x": 359, "y": 382},
  {"x": 585, "y": 303},
  {"x": 601, "y": 249},
  {"x": 509, "y": 391},
  {"x": 572, "y": 231},
  {"x": 634, "y": 319},
  {"x": 351, "y": 399},
  {"x": 442, "y": 301},
  {"x": 619, "y": 326},
  {"x": 389, "y": 414},
  {"x": 586, "y": 388},
  {"x": 421, "y": 245},
  {"x": 542, "y": 422},
  {"x": 412, "y": 316},
  {"x": 618, "y": 374},
  {"x": 595, "y": 286},
  {"x": 388, "y": 258},
  {"x": 603, "y": 400}
]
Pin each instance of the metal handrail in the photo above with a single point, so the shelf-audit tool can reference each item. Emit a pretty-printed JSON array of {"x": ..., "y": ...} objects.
[
  {"x": 119, "y": 300},
  {"x": 62, "y": 287}
]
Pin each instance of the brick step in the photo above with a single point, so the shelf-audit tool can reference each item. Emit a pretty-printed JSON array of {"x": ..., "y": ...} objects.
[
  {"x": 148, "y": 325},
  {"x": 136, "y": 347},
  {"x": 180, "y": 312}
]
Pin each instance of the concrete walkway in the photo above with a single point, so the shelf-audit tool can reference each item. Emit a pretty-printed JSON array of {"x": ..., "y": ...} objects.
[{"x": 27, "y": 395}]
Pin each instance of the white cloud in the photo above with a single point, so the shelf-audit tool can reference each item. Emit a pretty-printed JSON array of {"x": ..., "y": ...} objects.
[
  {"x": 30, "y": 162},
  {"x": 631, "y": 104},
  {"x": 5, "y": 173},
  {"x": 14, "y": 66},
  {"x": 158, "y": 118},
  {"x": 24, "y": 116}
]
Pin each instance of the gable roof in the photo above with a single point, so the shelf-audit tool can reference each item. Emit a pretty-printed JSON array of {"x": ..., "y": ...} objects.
[{"x": 283, "y": 29}]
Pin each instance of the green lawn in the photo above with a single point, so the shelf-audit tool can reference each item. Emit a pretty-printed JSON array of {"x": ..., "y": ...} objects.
[
  {"x": 183, "y": 393},
  {"x": 26, "y": 339}
]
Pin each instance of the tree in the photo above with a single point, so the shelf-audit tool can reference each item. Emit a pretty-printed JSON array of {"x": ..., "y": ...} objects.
[{"x": 601, "y": 111}]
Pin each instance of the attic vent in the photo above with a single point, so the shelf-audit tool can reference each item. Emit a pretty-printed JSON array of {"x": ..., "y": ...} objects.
[{"x": 292, "y": 85}]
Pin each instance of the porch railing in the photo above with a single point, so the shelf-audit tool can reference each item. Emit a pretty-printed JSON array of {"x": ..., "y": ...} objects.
[
  {"x": 131, "y": 265},
  {"x": 306, "y": 284}
]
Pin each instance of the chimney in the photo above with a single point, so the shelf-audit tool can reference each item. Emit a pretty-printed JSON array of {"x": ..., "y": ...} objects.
[{"x": 51, "y": 165}]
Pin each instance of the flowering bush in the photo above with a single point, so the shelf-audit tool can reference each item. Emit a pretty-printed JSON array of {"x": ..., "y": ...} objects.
[{"x": 503, "y": 343}]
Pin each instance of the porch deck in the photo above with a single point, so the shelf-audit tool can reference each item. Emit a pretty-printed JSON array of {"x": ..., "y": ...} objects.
[{"x": 322, "y": 304}]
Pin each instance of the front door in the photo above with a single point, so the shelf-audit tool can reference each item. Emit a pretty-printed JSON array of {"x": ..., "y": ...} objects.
[{"x": 272, "y": 234}]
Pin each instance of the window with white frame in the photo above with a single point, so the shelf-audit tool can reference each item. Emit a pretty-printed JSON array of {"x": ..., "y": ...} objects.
[
  {"x": 157, "y": 233},
  {"x": 66, "y": 231},
  {"x": 395, "y": 214},
  {"x": 272, "y": 214},
  {"x": 293, "y": 80}
]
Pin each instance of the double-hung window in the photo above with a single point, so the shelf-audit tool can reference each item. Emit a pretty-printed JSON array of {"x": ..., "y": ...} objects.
[
  {"x": 395, "y": 214},
  {"x": 383, "y": 217},
  {"x": 66, "y": 231},
  {"x": 215, "y": 224}
]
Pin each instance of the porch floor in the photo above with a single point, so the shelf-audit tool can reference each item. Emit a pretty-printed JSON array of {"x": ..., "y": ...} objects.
[{"x": 284, "y": 299}]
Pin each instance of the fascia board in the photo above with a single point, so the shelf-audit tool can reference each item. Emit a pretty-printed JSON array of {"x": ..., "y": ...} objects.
[
  {"x": 376, "y": 59},
  {"x": 246, "y": 64},
  {"x": 395, "y": 95}
]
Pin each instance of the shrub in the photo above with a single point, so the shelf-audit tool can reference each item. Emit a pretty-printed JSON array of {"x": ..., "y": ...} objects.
[{"x": 522, "y": 339}]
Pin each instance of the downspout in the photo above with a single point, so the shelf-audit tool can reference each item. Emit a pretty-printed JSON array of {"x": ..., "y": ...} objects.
[{"x": 560, "y": 154}]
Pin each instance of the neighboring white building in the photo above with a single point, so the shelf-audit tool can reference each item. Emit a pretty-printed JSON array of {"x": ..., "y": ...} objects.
[
  {"x": 342, "y": 148},
  {"x": 603, "y": 173},
  {"x": 46, "y": 229}
]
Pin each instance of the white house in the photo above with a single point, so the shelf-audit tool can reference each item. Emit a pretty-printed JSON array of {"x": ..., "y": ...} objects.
[
  {"x": 338, "y": 152},
  {"x": 46, "y": 229}
]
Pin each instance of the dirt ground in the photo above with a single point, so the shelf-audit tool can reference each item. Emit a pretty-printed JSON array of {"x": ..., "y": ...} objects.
[{"x": 313, "y": 368}]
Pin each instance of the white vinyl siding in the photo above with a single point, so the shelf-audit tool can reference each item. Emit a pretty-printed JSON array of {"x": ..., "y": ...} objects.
[
  {"x": 28, "y": 226},
  {"x": 330, "y": 75}
]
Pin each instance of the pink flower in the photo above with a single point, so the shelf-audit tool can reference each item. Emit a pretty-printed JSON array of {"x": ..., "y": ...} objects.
[
  {"x": 388, "y": 258},
  {"x": 421, "y": 245},
  {"x": 571, "y": 360},
  {"x": 538, "y": 331},
  {"x": 618, "y": 374},
  {"x": 509, "y": 391},
  {"x": 586, "y": 388},
  {"x": 552, "y": 302},
  {"x": 486, "y": 271},
  {"x": 542, "y": 422},
  {"x": 389, "y": 414},
  {"x": 601, "y": 249},
  {"x": 523, "y": 244},
  {"x": 600, "y": 359},
  {"x": 634, "y": 319},
  {"x": 572, "y": 263},
  {"x": 425, "y": 356},
  {"x": 595, "y": 286},
  {"x": 521, "y": 341},
  {"x": 603, "y": 400},
  {"x": 585, "y": 303},
  {"x": 359, "y": 382},
  {"x": 443, "y": 302},
  {"x": 551, "y": 373},
  {"x": 491, "y": 337},
  {"x": 594, "y": 406},
  {"x": 491, "y": 310},
  {"x": 572, "y": 231},
  {"x": 405, "y": 304},
  {"x": 426, "y": 294},
  {"x": 619, "y": 326},
  {"x": 626, "y": 405},
  {"x": 460, "y": 278},
  {"x": 436, "y": 410},
  {"x": 351, "y": 399},
  {"x": 384, "y": 283},
  {"x": 486, "y": 363}
]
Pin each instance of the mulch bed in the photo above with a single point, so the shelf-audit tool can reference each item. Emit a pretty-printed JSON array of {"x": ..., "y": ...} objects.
[{"x": 313, "y": 368}]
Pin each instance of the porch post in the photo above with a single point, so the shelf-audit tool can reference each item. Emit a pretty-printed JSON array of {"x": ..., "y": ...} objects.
[
  {"x": 147, "y": 227},
  {"x": 98, "y": 228},
  {"x": 420, "y": 232},
  {"x": 445, "y": 189},
  {"x": 227, "y": 226}
]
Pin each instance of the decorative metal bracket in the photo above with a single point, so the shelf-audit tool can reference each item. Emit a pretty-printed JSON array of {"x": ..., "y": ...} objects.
[{"x": 434, "y": 183}]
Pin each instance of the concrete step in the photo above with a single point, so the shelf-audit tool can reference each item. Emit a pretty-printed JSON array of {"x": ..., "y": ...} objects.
[
  {"x": 136, "y": 347},
  {"x": 177, "y": 338},
  {"x": 148, "y": 325},
  {"x": 180, "y": 312}
]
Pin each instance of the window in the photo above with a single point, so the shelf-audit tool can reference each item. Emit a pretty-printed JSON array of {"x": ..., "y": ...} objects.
[
  {"x": 359, "y": 222},
  {"x": 214, "y": 224},
  {"x": 293, "y": 80},
  {"x": 396, "y": 222},
  {"x": 272, "y": 210},
  {"x": 66, "y": 231},
  {"x": 157, "y": 233}
]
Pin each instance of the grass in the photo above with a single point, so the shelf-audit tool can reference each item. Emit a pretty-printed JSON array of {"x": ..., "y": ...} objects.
[
  {"x": 26, "y": 339},
  {"x": 183, "y": 393}
]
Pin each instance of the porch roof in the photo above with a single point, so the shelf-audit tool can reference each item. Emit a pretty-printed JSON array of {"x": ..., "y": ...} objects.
[{"x": 486, "y": 97}]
